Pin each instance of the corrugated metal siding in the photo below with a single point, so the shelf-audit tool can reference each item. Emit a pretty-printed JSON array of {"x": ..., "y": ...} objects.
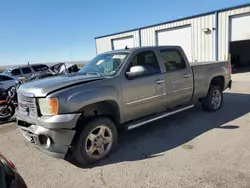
[
  {"x": 104, "y": 44},
  {"x": 202, "y": 44},
  {"x": 224, "y": 30}
]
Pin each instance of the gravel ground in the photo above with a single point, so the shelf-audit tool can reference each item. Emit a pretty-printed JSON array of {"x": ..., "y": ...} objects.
[{"x": 190, "y": 149}]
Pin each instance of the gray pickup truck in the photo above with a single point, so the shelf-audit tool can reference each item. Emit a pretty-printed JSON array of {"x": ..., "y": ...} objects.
[{"x": 82, "y": 113}]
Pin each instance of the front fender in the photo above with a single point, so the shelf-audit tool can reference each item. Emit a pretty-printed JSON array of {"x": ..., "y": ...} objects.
[{"x": 76, "y": 101}]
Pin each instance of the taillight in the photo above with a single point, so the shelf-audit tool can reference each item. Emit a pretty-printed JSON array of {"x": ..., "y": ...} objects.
[{"x": 8, "y": 162}]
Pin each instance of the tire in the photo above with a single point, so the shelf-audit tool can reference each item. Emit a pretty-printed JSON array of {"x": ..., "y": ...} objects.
[
  {"x": 11, "y": 111},
  {"x": 86, "y": 151},
  {"x": 209, "y": 103}
]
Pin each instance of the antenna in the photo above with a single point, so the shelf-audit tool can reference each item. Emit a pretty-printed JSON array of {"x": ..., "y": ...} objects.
[{"x": 126, "y": 47}]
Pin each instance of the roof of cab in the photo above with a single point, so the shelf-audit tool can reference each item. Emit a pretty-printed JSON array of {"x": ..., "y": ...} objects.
[{"x": 129, "y": 50}]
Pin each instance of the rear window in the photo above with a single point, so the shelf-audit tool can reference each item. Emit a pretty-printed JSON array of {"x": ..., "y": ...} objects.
[
  {"x": 16, "y": 72},
  {"x": 173, "y": 59},
  {"x": 26, "y": 70},
  {"x": 39, "y": 67}
]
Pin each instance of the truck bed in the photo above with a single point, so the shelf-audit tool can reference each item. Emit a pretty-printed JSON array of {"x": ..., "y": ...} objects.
[{"x": 204, "y": 71}]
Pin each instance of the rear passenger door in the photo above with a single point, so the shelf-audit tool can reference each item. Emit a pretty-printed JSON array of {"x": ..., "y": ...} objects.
[
  {"x": 27, "y": 73},
  {"x": 178, "y": 77}
]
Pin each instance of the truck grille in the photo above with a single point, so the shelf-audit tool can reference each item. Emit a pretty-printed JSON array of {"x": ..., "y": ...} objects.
[{"x": 27, "y": 104}]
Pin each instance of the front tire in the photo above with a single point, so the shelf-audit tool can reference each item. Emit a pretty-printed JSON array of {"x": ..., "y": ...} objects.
[
  {"x": 96, "y": 141},
  {"x": 6, "y": 114},
  {"x": 213, "y": 100}
]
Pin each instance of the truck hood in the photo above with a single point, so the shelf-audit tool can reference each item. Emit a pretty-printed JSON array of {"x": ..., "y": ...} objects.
[{"x": 41, "y": 88}]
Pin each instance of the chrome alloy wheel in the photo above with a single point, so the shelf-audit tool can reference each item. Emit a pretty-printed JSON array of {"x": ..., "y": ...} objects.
[
  {"x": 99, "y": 142},
  {"x": 216, "y": 99}
]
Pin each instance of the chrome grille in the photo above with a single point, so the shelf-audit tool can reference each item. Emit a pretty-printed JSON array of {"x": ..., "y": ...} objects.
[{"x": 27, "y": 104}]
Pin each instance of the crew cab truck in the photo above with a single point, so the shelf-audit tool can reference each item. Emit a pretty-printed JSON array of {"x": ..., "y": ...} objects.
[{"x": 82, "y": 113}]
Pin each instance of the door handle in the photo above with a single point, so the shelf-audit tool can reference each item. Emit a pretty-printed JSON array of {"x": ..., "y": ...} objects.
[
  {"x": 187, "y": 75},
  {"x": 159, "y": 81}
]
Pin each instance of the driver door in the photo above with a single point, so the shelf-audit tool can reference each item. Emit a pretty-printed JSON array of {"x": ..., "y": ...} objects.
[{"x": 144, "y": 95}]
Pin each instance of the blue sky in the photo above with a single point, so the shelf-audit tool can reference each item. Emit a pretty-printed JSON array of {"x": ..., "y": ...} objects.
[{"x": 59, "y": 30}]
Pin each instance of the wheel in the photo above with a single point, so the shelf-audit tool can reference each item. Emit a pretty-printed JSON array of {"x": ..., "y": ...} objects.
[
  {"x": 213, "y": 100},
  {"x": 96, "y": 141},
  {"x": 6, "y": 114}
]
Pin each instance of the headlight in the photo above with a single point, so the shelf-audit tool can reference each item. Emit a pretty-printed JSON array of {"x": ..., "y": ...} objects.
[{"x": 48, "y": 106}]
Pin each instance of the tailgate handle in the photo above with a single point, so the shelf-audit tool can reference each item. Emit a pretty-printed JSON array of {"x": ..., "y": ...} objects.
[{"x": 187, "y": 75}]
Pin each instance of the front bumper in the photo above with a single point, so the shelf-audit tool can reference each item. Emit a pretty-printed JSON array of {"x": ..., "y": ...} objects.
[{"x": 57, "y": 129}]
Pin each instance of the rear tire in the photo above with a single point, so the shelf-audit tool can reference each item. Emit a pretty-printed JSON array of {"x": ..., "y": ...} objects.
[
  {"x": 9, "y": 114},
  {"x": 213, "y": 100},
  {"x": 96, "y": 141}
]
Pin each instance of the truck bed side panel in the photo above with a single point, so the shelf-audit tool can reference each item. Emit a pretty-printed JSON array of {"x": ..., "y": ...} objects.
[{"x": 205, "y": 72}]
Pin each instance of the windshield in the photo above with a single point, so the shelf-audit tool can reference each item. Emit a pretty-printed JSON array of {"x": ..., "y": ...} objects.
[
  {"x": 104, "y": 64},
  {"x": 6, "y": 72}
]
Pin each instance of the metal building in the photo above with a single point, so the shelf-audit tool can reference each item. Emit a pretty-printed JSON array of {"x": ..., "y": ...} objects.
[{"x": 205, "y": 37}]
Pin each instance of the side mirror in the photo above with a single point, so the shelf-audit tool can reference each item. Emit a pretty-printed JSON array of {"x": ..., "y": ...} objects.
[{"x": 136, "y": 71}]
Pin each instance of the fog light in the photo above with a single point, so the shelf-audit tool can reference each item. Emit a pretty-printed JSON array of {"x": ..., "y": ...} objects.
[{"x": 45, "y": 141}]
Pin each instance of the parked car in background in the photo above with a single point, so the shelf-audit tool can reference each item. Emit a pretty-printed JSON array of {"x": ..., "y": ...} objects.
[
  {"x": 62, "y": 68},
  {"x": 9, "y": 176},
  {"x": 7, "y": 82},
  {"x": 121, "y": 89},
  {"x": 25, "y": 71},
  {"x": 44, "y": 74},
  {"x": 55, "y": 70}
]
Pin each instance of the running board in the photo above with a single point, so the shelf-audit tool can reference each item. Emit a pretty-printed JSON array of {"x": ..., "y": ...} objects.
[{"x": 149, "y": 120}]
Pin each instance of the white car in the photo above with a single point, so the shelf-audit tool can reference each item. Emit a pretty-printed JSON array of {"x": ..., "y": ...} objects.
[{"x": 7, "y": 82}]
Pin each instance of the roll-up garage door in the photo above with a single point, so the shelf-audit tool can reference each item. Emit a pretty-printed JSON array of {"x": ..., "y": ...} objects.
[
  {"x": 178, "y": 36},
  {"x": 240, "y": 29},
  {"x": 121, "y": 43},
  {"x": 240, "y": 40}
]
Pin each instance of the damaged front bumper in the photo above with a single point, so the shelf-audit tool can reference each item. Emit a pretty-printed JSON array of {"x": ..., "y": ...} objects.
[{"x": 52, "y": 135}]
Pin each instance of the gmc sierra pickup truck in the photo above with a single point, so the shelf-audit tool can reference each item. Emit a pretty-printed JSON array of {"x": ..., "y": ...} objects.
[{"x": 81, "y": 113}]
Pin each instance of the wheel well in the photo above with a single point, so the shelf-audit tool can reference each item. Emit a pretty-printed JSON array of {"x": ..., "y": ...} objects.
[
  {"x": 105, "y": 108},
  {"x": 219, "y": 81}
]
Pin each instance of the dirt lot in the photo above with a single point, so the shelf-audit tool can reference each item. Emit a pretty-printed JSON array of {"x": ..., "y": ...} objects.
[{"x": 191, "y": 149}]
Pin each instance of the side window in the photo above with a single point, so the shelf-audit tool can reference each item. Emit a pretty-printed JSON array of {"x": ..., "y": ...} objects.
[
  {"x": 40, "y": 67},
  {"x": 44, "y": 67},
  {"x": 26, "y": 70},
  {"x": 148, "y": 60},
  {"x": 16, "y": 72},
  {"x": 35, "y": 68},
  {"x": 173, "y": 60}
]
